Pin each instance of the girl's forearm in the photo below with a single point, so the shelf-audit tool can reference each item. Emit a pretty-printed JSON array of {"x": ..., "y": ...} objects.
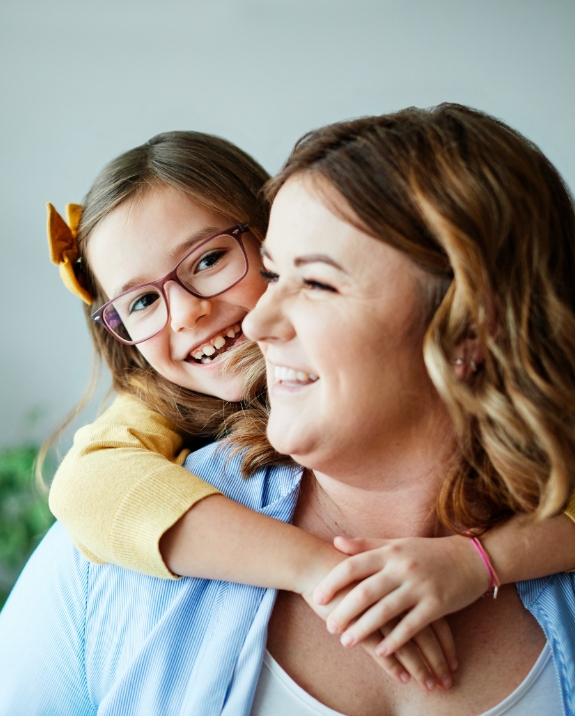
[
  {"x": 521, "y": 550},
  {"x": 220, "y": 539}
]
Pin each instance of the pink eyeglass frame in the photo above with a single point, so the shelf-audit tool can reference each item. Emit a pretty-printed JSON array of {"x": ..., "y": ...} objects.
[{"x": 235, "y": 232}]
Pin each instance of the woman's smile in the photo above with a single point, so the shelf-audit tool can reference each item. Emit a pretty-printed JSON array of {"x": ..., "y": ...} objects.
[
  {"x": 283, "y": 380},
  {"x": 327, "y": 280}
]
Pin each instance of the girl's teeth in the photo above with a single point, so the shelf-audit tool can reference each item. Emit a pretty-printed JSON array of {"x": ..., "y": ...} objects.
[
  {"x": 300, "y": 375},
  {"x": 215, "y": 344},
  {"x": 205, "y": 359}
]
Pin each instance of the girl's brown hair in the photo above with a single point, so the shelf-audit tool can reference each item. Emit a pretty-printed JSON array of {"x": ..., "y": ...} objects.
[
  {"x": 489, "y": 219},
  {"x": 222, "y": 177}
]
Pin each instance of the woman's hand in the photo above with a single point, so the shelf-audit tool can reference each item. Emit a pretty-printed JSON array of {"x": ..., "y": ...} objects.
[
  {"x": 427, "y": 658},
  {"x": 414, "y": 581}
]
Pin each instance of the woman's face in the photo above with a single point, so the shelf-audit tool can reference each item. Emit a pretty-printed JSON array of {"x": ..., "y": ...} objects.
[
  {"x": 142, "y": 241},
  {"x": 341, "y": 329}
]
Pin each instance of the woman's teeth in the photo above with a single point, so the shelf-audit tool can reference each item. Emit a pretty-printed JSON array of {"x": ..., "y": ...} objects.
[
  {"x": 204, "y": 353},
  {"x": 293, "y": 376}
]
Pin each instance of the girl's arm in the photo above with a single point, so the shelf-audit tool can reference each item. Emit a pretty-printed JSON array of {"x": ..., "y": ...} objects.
[
  {"x": 427, "y": 578},
  {"x": 121, "y": 486}
]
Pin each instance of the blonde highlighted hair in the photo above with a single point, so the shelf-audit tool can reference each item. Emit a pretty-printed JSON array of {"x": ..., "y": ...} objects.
[{"x": 488, "y": 218}]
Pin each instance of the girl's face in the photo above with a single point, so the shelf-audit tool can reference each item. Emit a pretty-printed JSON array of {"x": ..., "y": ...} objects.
[
  {"x": 341, "y": 329},
  {"x": 142, "y": 241}
]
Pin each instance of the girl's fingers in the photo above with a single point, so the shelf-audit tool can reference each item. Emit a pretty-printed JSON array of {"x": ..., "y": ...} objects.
[
  {"x": 445, "y": 637},
  {"x": 345, "y": 573},
  {"x": 378, "y": 591},
  {"x": 410, "y": 627},
  {"x": 413, "y": 662},
  {"x": 390, "y": 664},
  {"x": 412, "y": 623},
  {"x": 431, "y": 650}
]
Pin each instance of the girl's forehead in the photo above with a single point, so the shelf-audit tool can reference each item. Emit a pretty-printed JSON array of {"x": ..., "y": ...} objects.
[{"x": 145, "y": 237}]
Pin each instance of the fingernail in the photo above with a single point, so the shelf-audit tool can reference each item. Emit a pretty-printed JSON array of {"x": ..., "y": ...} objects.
[
  {"x": 404, "y": 676},
  {"x": 319, "y": 598},
  {"x": 381, "y": 650},
  {"x": 346, "y": 639},
  {"x": 446, "y": 681},
  {"x": 431, "y": 684},
  {"x": 332, "y": 627}
]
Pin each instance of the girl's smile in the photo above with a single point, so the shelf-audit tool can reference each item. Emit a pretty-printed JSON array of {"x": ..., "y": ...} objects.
[{"x": 142, "y": 240}]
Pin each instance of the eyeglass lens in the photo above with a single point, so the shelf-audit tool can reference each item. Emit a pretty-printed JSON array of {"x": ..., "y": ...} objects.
[{"x": 212, "y": 269}]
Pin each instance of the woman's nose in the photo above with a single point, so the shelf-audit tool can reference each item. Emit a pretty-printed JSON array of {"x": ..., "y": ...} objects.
[
  {"x": 267, "y": 322},
  {"x": 185, "y": 309}
]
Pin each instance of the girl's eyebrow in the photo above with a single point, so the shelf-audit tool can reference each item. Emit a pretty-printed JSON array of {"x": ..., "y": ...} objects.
[
  {"x": 308, "y": 259},
  {"x": 173, "y": 255},
  {"x": 204, "y": 233}
]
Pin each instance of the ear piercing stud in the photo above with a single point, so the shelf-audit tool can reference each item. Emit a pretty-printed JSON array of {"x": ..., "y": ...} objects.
[{"x": 458, "y": 361}]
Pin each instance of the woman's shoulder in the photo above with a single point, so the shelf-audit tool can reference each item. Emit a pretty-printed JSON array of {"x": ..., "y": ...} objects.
[{"x": 221, "y": 467}]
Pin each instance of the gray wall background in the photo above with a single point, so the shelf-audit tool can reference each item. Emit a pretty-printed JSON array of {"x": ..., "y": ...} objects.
[{"x": 81, "y": 82}]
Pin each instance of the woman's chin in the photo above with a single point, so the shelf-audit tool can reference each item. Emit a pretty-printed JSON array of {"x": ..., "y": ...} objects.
[{"x": 287, "y": 441}]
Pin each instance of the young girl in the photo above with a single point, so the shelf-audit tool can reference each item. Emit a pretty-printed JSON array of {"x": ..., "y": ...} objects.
[{"x": 184, "y": 373}]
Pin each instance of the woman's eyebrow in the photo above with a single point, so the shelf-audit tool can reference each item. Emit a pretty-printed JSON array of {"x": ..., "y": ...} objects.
[
  {"x": 308, "y": 259},
  {"x": 317, "y": 258},
  {"x": 173, "y": 255}
]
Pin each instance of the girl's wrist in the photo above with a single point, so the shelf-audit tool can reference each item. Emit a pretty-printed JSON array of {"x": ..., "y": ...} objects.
[{"x": 320, "y": 558}]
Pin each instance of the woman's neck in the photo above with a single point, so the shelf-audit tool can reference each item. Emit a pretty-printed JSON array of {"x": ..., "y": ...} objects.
[{"x": 393, "y": 497}]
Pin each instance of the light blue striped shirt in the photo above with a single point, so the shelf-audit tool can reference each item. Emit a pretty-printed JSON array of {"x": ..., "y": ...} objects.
[{"x": 79, "y": 639}]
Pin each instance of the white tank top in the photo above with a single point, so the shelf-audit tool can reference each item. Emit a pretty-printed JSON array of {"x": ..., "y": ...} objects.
[{"x": 278, "y": 694}]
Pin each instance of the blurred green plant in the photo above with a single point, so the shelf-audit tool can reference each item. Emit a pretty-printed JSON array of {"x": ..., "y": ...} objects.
[{"x": 24, "y": 513}]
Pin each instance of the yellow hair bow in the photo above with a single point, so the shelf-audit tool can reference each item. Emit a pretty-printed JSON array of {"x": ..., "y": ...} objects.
[{"x": 64, "y": 247}]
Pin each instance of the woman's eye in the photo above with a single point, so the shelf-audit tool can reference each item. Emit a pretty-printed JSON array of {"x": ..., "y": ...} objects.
[
  {"x": 209, "y": 260},
  {"x": 269, "y": 276},
  {"x": 318, "y": 286},
  {"x": 143, "y": 302}
]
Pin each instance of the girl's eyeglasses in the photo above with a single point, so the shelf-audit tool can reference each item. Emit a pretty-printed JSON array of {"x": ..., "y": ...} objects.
[{"x": 210, "y": 268}]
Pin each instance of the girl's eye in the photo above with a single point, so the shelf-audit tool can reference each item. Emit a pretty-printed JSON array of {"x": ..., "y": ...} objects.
[
  {"x": 318, "y": 286},
  {"x": 269, "y": 276},
  {"x": 209, "y": 260},
  {"x": 143, "y": 302}
]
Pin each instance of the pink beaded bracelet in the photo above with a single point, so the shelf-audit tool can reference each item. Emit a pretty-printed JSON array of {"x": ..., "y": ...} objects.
[{"x": 494, "y": 582}]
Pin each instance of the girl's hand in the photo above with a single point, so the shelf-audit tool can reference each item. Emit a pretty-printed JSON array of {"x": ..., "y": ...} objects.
[
  {"x": 427, "y": 658},
  {"x": 416, "y": 579}
]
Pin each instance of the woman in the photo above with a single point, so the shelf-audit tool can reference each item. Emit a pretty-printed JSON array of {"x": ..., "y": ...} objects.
[
  {"x": 377, "y": 226},
  {"x": 352, "y": 312}
]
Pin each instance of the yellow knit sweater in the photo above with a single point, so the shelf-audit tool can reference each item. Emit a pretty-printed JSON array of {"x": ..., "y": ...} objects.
[{"x": 122, "y": 486}]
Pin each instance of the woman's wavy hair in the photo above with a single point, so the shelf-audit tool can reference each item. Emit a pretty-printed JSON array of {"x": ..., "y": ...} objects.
[
  {"x": 222, "y": 177},
  {"x": 488, "y": 218}
]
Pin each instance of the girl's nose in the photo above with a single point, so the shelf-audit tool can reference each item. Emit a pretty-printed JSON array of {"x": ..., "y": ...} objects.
[
  {"x": 185, "y": 309},
  {"x": 268, "y": 323}
]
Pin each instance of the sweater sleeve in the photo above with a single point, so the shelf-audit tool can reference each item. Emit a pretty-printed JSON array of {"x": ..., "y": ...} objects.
[{"x": 122, "y": 485}]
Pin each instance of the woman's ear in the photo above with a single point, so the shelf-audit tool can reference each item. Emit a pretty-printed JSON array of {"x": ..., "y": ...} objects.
[{"x": 468, "y": 356}]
